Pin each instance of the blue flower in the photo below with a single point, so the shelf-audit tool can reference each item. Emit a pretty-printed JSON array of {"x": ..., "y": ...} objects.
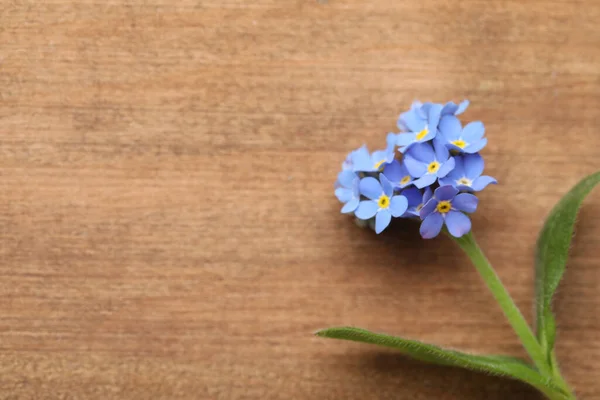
[
  {"x": 466, "y": 175},
  {"x": 398, "y": 175},
  {"x": 382, "y": 203},
  {"x": 347, "y": 190},
  {"x": 463, "y": 140},
  {"x": 428, "y": 163},
  {"x": 363, "y": 161},
  {"x": 450, "y": 108},
  {"x": 446, "y": 207},
  {"x": 421, "y": 122},
  {"x": 416, "y": 198}
]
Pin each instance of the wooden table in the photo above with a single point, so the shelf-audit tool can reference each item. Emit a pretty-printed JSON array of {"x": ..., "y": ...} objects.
[{"x": 168, "y": 225}]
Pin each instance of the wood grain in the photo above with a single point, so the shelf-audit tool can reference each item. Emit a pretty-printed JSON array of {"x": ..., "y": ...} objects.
[{"x": 167, "y": 223}]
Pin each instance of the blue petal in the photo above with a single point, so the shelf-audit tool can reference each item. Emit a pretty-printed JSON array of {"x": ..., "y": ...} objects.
[
  {"x": 425, "y": 180},
  {"x": 454, "y": 182},
  {"x": 404, "y": 172},
  {"x": 428, "y": 208},
  {"x": 403, "y": 169},
  {"x": 458, "y": 223},
  {"x": 346, "y": 178},
  {"x": 427, "y": 195},
  {"x": 465, "y": 202},
  {"x": 343, "y": 194},
  {"x": 433, "y": 116},
  {"x": 454, "y": 148},
  {"x": 350, "y": 206},
  {"x": 449, "y": 108},
  {"x": 473, "y": 165},
  {"x": 476, "y": 146},
  {"x": 414, "y": 167},
  {"x": 430, "y": 135},
  {"x": 458, "y": 171},
  {"x": 445, "y": 193},
  {"x": 413, "y": 196},
  {"x": 361, "y": 160},
  {"x": 446, "y": 168},
  {"x": 403, "y": 149},
  {"x": 356, "y": 188},
  {"x": 463, "y": 188},
  {"x": 398, "y": 205},
  {"x": 401, "y": 124},
  {"x": 391, "y": 141},
  {"x": 404, "y": 139},
  {"x": 386, "y": 185},
  {"x": 411, "y": 121},
  {"x": 447, "y": 180},
  {"x": 361, "y": 152},
  {"x": 420, "y": 109},
  {"x": 382, "y": 220},
  {"x": 441, "y": 151},
  {"x": 422, "y": 152},
  {"x": 370, "y": 188},
  {"x": 462, "y": 107},
  {"x": 473, "y": 131},
  {"x": 393, "y": 171},
  {"x": 431, "y": 226},
  {"x": 450, "y": 128},
  {"x": 407, "y": 184},
  {"x": 381, "y": 157},
  {"x": 481, "y": 182},
  {"x": 366, "y": 209}
]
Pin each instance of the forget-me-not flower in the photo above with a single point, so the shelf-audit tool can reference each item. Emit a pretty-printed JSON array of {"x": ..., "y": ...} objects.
[
  {"x": 435, "y": 179},
  {"x": 416, "y": 198},
  {"x": 347, "y": 191},
  {"x": 397, "y": 174},
  {"x": 451, "y": 108},
  {"x": 463, "y": 140},
  {"x": 420, "y": 122},
  {"x": 447, "y": 207},
  {"x": 363, "y": 161},
  {"x": 428, "y": 163},
  {"x": 382, "y": 203},
  {"x": 466, "y": 175}
]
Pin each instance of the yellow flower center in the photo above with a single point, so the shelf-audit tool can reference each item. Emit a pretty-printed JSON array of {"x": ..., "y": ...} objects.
[
  {"x": 384, "y": 201},
  {"x": 405, "y": 180},
  {"x": 433, "y": 167},
  {"x": 422, "y": 134},
  {"x": 459, "y": 143},
  {"x": 379, "y": 165},
  {"x": 444, "y": 206},
  {"x": 419, "y": 207},
  {"x": 464, "y": 181}
]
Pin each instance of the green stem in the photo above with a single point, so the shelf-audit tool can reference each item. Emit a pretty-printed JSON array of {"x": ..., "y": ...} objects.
[
  {"x": 515, "y": 318},
  {"x": 557, "y": 376}
]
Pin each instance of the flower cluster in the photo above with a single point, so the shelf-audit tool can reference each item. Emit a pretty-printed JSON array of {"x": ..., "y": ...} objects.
[{"x": 429, "y": 170}]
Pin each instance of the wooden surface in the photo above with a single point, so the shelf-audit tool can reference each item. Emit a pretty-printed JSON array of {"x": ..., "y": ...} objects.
[{"x": 168, "y": 228}]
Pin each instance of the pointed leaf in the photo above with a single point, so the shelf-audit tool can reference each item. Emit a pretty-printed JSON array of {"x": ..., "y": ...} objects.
[
  {"x": 551, "y": 257},
  {"x": 505, "y": 366}
]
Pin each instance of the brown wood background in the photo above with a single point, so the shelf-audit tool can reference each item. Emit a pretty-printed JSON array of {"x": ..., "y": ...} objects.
[{"x": 168, "y": 228}]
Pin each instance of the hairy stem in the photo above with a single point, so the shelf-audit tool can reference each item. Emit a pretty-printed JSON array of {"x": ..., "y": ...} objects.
[{"x": 514, "y": 316}]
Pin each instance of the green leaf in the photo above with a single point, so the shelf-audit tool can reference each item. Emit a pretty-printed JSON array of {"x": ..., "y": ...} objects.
[
  {"x": 551, "y": 257},
  {"x": 505, "y": 366}
]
